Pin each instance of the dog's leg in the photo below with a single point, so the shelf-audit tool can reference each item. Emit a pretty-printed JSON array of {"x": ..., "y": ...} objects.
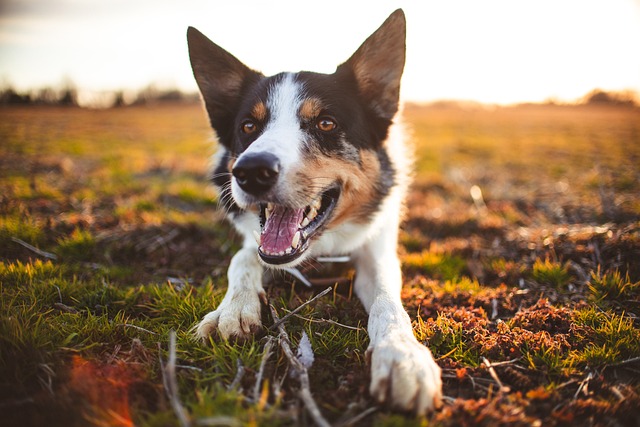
[
  {"x": 238, "y": 315},
  {"x": 403, "y": 372}
]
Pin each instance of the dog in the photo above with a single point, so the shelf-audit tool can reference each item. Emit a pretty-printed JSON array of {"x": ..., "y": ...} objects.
[{"x": 312, "y": 164}]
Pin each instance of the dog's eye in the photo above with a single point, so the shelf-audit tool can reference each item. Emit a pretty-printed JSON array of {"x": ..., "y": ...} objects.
[
  {"x": 249, "y": 127},
  {"x": 326, "y": 124}
]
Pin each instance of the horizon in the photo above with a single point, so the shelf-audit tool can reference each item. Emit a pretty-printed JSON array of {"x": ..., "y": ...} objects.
[{"x": 495, "y": 52}]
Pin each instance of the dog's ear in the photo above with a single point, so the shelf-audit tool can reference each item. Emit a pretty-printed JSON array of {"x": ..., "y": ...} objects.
[
  {"x": 221, "y": 78},
  {"x": 378, "y": 63}
]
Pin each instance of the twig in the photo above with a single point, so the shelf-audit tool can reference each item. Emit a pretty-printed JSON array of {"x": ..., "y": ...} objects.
[
  {"x": 357, "y": 418},
  {"x": 128, "y": 325},
  {"x": 584, "y": 386},
  {"x": 165, "y": 383},
  {"x": 59, "y": 292},
  {"x": 614, "y": 389},
  {"x": 494, "y": 375},
  {"x": 172, "y": 383},
  {"x": 63, "y": 307},
  {"x": 284, "y": 318},
  {"x": 305, "y": 391},
  {"x": 506, "y": 362},
  {"x": 448, "y": 400},
  {"x": 265, "y": 357},
  {"x": 494, "y": 308},
  {"x": 566, "y": 383},
  {"x": 190, "y": 368},
  {"x": 34, "y": 249},
  {"x": 625, "y": 362},
  {"x": 236, "y": 380},
  {"x": 331, "y": 322}
]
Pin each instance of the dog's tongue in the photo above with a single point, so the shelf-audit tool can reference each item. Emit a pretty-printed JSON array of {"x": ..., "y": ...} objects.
[{"x": 280, "y": 228}]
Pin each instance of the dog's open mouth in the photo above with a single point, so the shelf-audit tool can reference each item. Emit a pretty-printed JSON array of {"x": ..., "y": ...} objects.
[{"x": 287, "y": 232}]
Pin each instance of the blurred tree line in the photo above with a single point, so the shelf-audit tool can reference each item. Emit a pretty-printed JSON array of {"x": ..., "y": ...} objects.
[
  {"x": 600, "y": 97},
  {"x": 67, "y": 95}
]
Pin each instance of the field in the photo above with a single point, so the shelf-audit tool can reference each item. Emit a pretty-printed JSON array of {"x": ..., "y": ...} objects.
[{"x": 521, "y": 263}]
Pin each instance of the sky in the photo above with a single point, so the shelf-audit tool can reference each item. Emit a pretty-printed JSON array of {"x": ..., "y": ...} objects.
[{"x": 492, "y": 51}]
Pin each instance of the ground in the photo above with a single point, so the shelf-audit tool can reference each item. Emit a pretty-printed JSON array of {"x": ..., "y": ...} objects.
[{"x": 521, "y": 262}]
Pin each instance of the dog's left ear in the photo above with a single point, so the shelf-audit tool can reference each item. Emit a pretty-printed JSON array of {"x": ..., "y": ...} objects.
[
  {"x": 221, "y": 78},
  {"x": 378, "y": 63}
]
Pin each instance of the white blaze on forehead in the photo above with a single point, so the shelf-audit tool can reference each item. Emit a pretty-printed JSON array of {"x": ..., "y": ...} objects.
[
  {"x": 284, "y": 99},
  {"x": 282, "y": 136}
]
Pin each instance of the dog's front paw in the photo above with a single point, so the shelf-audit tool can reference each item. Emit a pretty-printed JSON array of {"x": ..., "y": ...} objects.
[
  {"x": 237, "y": 317},
  {"x": 404, "y": 375}
]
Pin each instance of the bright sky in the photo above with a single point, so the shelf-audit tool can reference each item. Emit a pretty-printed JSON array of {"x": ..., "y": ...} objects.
[{"x": 496, "y": 51}]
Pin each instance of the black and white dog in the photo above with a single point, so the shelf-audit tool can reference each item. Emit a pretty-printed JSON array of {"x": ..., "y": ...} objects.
[{"x": 312, "y": 164}]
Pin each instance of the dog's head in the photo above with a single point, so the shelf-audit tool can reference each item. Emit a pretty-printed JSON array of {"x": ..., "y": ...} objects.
[{"x": 307, "y": 149}]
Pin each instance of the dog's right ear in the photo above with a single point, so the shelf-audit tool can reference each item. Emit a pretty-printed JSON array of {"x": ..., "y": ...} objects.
[{"x": 221, "y": 78}]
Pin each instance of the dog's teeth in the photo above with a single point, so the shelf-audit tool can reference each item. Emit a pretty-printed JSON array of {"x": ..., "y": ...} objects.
[
  {"x": 304, "y": 222},
  {"x": 312, "y": 213},
  {"x": 257, "y": 237},
  {"x": 269, "y": 206},
  {"x": 288, "y": 250},
  {"x": 267, "y": 213},
  {"x": 316, "y": 204},
  {"x": 296, "y": 240}
]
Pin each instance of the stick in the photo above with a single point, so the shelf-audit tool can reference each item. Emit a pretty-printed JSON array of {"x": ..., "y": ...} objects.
[
  {"x": 138, "y": 328},
  {"x": 305, "y": 391},
  {"x": 357, "y": 418},
  {"x": 263, "y": 363},
  {"x": 506, "y": 362},
  {"x": 236, "y": 380},
  {"x": 494, "y": 375},
  {"x": 40, "y": 252},
  {"x": 584, "y": 386},
  {"x": 624, "y": 362},
  {"x": 172, "y": 383},
  {"x": 331, "y": 322},
  {"x": 284, "y": 318}
]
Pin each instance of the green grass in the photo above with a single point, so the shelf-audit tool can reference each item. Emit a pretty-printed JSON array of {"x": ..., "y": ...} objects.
[
  {"x": 551, "y": 273},
  {"x": 544, "y": 283}
]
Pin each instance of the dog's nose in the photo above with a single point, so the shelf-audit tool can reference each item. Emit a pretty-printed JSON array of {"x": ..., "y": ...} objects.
[{"x": 256, "y": 173}]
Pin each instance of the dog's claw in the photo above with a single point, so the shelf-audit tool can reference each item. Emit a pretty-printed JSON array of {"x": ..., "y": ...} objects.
[
  {"x": 405, "y": 376},
  {"x": 237, "y": 318}
]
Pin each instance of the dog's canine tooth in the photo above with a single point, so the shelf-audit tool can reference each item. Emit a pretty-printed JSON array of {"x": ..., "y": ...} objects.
[
  {"x": 256, "y": 235},
  {"x": 269, "y": 206},
  {"x": 296, "y": 240},
  {"x": 305, "y": 222},
  {"x": 312, "y": 214},
  {"x": 316, "y": 204}
]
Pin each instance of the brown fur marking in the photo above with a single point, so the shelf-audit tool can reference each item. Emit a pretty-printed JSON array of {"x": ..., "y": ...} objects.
[
  {"x": 259, "y": 111},
  {"x": 310, "y": 109},
  {"x": 358, "y": 187}
]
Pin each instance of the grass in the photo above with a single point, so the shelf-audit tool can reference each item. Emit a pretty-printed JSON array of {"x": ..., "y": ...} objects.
[{"x": 542, "y": 282}]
